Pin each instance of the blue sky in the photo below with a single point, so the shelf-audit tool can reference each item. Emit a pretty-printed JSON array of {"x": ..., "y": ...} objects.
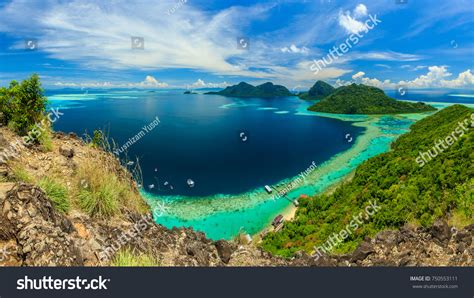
[{"x": 420, "y": 44}]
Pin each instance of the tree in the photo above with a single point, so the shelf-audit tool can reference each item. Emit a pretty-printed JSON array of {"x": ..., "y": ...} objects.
[{"x": 23, "y": 104}]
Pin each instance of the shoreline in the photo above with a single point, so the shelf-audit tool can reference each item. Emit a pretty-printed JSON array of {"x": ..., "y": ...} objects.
[{"x": 223, "y": 216}]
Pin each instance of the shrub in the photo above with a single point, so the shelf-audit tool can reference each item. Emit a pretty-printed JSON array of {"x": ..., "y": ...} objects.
[
  {"x": 23, "y": 104},
  {"x": 56, "y": 192},
  {"x": 98, "y": 139}
]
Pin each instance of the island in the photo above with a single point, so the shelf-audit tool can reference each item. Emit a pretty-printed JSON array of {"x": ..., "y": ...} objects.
[
  {"x": 362, "y": 99},
  {"x": 319, "y": 90},
  {"x": 246, "y": 90},
  {"x": 406, "y": 188},
  {"x": 189, "y": 92}
]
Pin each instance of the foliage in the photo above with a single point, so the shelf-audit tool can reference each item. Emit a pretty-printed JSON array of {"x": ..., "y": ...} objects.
[
  {"x": 361, "y": 99},
  {"x": 56, "y": 192},
  {"x": 246, "y": 90},
  {"x": 319, "y": 90},
  {"x": 406, "y": 192},
  {"x": 98, "y": 139},
  {"x": 24, "y": 104}
]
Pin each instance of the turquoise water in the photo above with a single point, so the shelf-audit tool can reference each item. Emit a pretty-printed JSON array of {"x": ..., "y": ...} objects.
[
  {"x": 255, "y": 211},
  {"x": 286, "y": 136}
]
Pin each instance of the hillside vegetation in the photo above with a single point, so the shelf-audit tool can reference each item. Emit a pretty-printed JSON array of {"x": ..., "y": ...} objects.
[
  {"x": 404, "y": 191},
  {"x": 362, "y": 99},
  {"x": 319, "y": 90},
  {"x": 246, "y": 90}
]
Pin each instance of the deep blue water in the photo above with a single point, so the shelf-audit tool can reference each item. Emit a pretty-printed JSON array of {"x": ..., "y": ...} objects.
[
  {"x": 435, "y": 95},
  {"x": 199, "y": 139}
]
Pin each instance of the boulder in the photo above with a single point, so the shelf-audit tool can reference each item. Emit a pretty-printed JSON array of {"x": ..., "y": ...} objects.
[
  {"x": 224, "y": 250},
  {"x": 362, "y": 251},
  {"x": 440, "y": 230},
  {"x": 67, "y": 152}
]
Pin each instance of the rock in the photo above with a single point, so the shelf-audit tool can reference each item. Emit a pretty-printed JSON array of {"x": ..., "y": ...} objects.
[
  {"x": 440, "y": 230},
  {"x": 197, "y": 250},
  {"x": 388, "y": 238},
  {"x": 67, "y": 152},
  {"x": 464, "y": 237},
  {"x": 362, "y": 251},
  {"x": 224, "y": 249},
  {"x": 3, "y": 141}
]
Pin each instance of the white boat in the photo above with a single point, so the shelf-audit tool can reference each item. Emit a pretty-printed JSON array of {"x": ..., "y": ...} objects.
[
  {"x": 190, "y": 182},
  {"x": 268, "y": 189}
]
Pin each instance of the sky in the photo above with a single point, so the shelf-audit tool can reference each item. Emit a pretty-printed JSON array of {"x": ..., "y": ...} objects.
[{"x": 212, "y": 44}]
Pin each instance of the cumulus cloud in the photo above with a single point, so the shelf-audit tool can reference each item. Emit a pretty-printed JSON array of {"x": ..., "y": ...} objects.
[
  {"x": 201, "y": 84},
  {"x": 360, "y": 10},
  {"x": 358, "y": 75},
  {"x": 149, "y": 82},
  {"x": 436, "y": 77},
  {"x": 350, "y": 21},
  {"x": 294, "y": 49}
]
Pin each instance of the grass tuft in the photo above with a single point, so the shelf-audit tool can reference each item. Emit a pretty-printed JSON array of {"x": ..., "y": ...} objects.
[
  {"x": 20, "y": 174},
  {"x": 127, "y": 258},
  {"x": 102, "y": 194},
  {"x": 56, "y": 192}
]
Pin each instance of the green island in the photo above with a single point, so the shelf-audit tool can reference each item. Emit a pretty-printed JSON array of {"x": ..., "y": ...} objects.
[
  {"x": 318, "y": 91},
  {"x": 362, "y": 99},
  {"x": 246, "y": 90},
  {"x": 405, "y": 191}
]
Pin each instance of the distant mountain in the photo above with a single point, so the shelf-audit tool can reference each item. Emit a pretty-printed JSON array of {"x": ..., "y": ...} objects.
[
  {"x": 362, "y": 99},
  {"x": 246, "y": 90},
  {"x": 319, "y": 90}
]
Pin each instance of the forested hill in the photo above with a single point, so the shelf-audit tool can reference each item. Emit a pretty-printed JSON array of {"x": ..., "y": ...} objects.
[
  {"x": 319, "y": 90},
  {"x": 246, "y": 90},
  {"x": 405, "y": 189},
  {"x": 362, "y": 99}
]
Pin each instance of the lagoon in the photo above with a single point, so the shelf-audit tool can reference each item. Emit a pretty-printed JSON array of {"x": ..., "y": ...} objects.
[{"x": 230, "y": 148}]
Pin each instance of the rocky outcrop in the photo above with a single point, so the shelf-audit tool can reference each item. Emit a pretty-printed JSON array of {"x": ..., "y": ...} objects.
[
  {"x": 42, "y": 235},
  {"x": 439, "y": 245},
  {"x": 33, "y": 233}
]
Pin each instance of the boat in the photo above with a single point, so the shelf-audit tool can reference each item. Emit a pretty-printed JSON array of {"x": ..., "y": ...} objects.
[{"x": 268, "y": 189}]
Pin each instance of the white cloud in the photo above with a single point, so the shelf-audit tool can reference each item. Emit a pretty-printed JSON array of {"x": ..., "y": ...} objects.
[
  {"x": 358, "y": 75},
  {"x": 413, "y": 68},
  {"x": 97, "y": 35},
  {"x": 383, "y": 65},
  {"x": 431, "y": 79},
  {"x": 387, "y": 56},
  {"x": 149, "y": 82},
  {"x": 436, "y": 77},
  {"x": 350, "y": 21},
  {"x": 294, "y": 49},
  {"x": 152, "y": 82},
  {"x": 360, "y": 10},
  {"x": 464, "y": 79},
  {"x": 201, "y": 84}
]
